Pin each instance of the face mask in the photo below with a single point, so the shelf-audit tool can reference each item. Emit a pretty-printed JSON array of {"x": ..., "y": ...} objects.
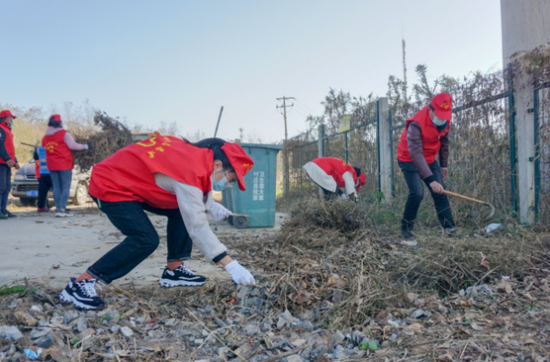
[
  {"x": 220, "y": 185},
  {"x": 438, "y": 122}
]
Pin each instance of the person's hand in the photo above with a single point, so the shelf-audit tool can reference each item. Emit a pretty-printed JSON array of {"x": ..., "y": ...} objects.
[
  {"x": 219, "y": 212},
  {"x": 10, "y": 163},
  {"x": 17, "y": 167},
  {"x": 239, "y": 274},
  {"x": 444, "y": 172},
  {"x": 436, "y": 187}
]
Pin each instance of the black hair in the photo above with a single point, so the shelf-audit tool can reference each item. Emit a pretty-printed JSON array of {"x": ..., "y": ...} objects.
[
  {"x": 54, "y": 124},
  {"x": 431, "y": 107},
  {"x": 357, "y": 171},
  {"x": 2, "y": 119},
  {"x": 215, "y": 145}
]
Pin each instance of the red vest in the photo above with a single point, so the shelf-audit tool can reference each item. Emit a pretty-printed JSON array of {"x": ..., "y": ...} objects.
[
  {"x": 59, "y": 156},
  {"x": 8, "y": 142},
  {"x": 37, "y": 169},
  {"x": 128, "y": 174},
  {"x": 430, "y": 137},
  {"x": 335, "y": 168}
]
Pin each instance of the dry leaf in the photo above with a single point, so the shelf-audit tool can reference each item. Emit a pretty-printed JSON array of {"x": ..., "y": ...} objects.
[
  {"x": 529, "y": 341},
  {"x": 415, "y": 326},
  {"x": 504, "y": 286},
  {"x": 475, "y": 326},
  {"x": 447, "y": 356}
]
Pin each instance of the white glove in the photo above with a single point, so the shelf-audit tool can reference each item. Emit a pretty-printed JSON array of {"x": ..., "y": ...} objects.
[
  {"x": 239, "y": 274},
  {"x": 86, "y": 147},
  {"x": 344, "y": 197},
  {"x": 219, "y": 212}
]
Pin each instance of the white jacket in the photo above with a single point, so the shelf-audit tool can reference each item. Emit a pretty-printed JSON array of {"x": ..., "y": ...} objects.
[{"x": 192, "y": 205}]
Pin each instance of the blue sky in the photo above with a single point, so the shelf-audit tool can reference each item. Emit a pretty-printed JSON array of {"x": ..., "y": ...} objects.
[{"x": 153, "y": 61}]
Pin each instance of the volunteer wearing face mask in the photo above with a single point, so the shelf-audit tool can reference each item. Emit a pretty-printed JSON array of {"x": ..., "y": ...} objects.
[
  {"x": 425, "y": 136},
  {"x": 331, "y": 174},
  {"x": 171, "y": 177}
]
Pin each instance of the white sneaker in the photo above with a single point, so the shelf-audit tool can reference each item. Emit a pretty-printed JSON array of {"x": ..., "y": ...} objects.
[
  {"x": 68, "y": 214},
  {"x": 60, "y": 214}
]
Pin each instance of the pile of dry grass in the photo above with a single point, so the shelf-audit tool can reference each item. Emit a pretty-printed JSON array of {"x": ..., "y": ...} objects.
[
  {"x": 111, "y": 137},
  {"x": 315, "y": 223},
  {"x": 326, "y": 259}
]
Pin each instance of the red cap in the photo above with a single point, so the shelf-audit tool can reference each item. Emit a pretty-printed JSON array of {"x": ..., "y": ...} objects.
[
  {"x": 362, "y": 181},
  {"x": 241, "y": 162},
  {"x": 443, "y": 106},
  {"x": 56, "y": 117},
  {"x": 7, "y": 113}
]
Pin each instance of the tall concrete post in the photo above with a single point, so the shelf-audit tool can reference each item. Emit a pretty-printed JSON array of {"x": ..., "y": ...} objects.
[
  {"x": 384, "y": 133},
  {"x": 525, "y": 26},
  {"x": 321, "y": 149}
]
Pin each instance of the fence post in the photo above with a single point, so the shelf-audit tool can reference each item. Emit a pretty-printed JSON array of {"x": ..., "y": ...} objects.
[
  {"x": 321, "y": 148},
  {"x": 384, "y": 142}
]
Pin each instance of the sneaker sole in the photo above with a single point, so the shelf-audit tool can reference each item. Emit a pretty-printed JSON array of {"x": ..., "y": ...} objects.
[
  {"x": 67, "y": 298},
  {"x": 179, "y": 283}
]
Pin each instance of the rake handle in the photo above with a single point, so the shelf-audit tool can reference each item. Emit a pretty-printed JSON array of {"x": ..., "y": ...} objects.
[{"x": 450, "y": 193}]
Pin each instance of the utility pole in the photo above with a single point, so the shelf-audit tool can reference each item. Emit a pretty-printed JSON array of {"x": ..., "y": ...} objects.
[
  {"x": 286, "y": 168},
  {"x": 404, "y": 73},
  {"x": 241, "y": 130}
]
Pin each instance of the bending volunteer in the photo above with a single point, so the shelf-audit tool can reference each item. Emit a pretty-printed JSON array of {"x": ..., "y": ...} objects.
[
  {"x": 171, "y": 177},
  {"x": 331, "y": 174}
]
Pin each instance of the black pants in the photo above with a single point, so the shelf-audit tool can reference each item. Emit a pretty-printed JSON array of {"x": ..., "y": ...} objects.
[
  {"x": 329, "y": 195},
  {"x": 44, "y": 186},
  {"x": 416, "y": 193},
  {"x": 5, "y": 187},
  {"x": 141, "y": 238}
]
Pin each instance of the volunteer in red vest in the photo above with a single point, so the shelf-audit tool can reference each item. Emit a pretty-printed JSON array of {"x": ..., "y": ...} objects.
[
  {"x": 59, "y": 145},
  {"x": 426, "y": 135},
  {"x": 7, "y": 161},
  {"x": 331, "y": 174},
  {"x": 171, "y": 177},
  {"x": 44, "y": 179}
]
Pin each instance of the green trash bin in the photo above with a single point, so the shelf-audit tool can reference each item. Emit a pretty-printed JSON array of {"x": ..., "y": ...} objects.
[{"x": 258, "y": 201}]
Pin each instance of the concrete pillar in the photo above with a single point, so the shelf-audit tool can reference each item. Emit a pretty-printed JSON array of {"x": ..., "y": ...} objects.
[
  {"x": 525, "y": 26},
  {"x": 321, "y": 149},
  {"x": 384, "y": 149}
]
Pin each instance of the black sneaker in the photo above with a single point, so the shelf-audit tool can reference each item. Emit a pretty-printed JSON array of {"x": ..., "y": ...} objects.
[
  {"x": 3, "y": 216},
  {"x": 10, "y": 214},
  {"x": 407, "y": 235},
  {"x": 181, "y": 276},
  {"x": 82, "y": 294}
]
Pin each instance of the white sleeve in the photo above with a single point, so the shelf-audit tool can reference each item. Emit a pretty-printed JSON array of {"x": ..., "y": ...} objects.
[
  {"x": 191, "y": 203},
  {"x": 350, "y": 183}
]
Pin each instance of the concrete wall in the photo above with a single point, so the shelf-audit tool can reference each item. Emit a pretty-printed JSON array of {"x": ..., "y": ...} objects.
[{"x": 525, "y": 26}]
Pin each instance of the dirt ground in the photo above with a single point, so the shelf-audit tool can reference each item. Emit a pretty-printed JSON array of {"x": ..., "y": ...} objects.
[
  {"x": 323, "y": 293},
  {"x": 50, "y": 250}
]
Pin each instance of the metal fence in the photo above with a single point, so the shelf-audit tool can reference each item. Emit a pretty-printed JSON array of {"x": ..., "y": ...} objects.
[{"x": 483, "y": 150}]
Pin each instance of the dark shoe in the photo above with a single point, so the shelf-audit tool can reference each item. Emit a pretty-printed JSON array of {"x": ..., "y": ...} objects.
[
  {"x": 181, "y": 276},
  {"x": 10, "y": 214},
  {"x": 450, "y": 232},
  {"x": 82, "y": 294},
  {"x": 407, "y": 235},
  {"x": 3, "y": 216},
  {"x": 42, "y": 209}
]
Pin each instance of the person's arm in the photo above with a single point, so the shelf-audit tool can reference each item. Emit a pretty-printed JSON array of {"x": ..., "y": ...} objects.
[
  {"x": 35, "y": 155},
  {"x": 414, "y": 142},
  {"x": 349, "y": 183},
  {"x": 4, "y": 155},
  {"x": 71, "y": 143}
]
